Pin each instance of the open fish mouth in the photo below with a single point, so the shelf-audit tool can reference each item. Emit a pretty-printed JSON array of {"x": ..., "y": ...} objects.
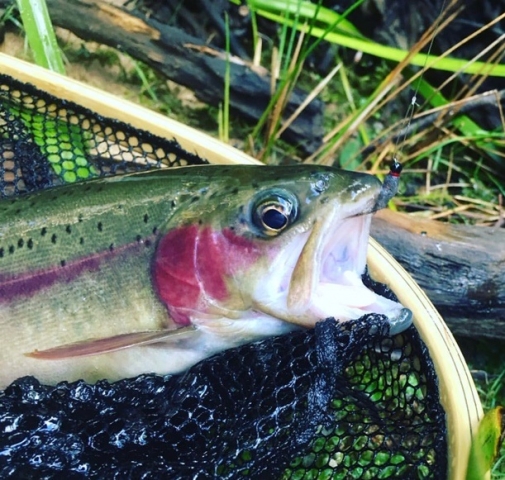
[
  {"x": 324, "y": 275},
  {"x": 340, "y": 288},
  {"x": 334, "y": 287}
]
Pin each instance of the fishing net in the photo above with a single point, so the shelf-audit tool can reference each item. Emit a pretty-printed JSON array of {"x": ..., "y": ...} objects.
[{"x": 342, "y": 401}]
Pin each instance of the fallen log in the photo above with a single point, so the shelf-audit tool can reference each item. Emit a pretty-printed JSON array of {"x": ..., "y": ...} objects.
[
  {"x": 187, "y": 61},
  {"x": 460, "y": 267}
]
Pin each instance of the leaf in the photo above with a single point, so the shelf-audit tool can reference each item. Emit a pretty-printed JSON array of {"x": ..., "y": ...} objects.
[{"x": 486, "y": 444}]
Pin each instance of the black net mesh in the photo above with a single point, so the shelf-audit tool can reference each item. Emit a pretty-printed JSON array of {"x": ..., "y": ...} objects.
[{"x": 342, "y": 401}]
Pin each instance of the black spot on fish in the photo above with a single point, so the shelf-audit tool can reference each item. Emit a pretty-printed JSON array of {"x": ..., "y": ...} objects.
[
  {"x": 200, "y": 221},
  {"x": 29, "y": 243},
  {"x": 146, "y": 218},
  {"x": 195, "y": 199},
  {"x": 32, "y": 204},
  {"x": 138, "y": 238},
  {"x": 43, "y": 231},
  {"x": 63, "y": 263},
  {"x": 255, "y": 185},
  {"x": 173, "y": 203},
  {"x": 1, "y": 252},
  {"x": 81, "y": 240},
  {"x": 111, "y": 247},
  {"x": 21, "y": 242},
  {"x": 54, "y": 197},
  {"x": 324, "y": 200},
  {"x": 99, "y": 225},
  {"x": 18, "y": 211},
  {"x": 155, "y": 230},
  {"x": 147, "y": 243},
  {"x": 234, "y": 191},
  {"x": 11, "y": 248},
  {"x": 53, "y": 238},
  {"x": 68, "y": 229},
  {"x": 79, "y": 218}
]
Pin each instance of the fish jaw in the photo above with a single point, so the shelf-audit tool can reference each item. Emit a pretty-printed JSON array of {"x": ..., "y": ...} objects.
[
  {"x": 340, "y": 291},
  {"x": 326, "y": 279}
]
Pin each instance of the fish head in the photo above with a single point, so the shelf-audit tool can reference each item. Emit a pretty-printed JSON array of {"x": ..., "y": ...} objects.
[{"x": 288, "y": 243}]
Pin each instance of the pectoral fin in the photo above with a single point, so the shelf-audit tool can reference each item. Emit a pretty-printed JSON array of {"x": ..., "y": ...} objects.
[{"x": 97, "y": 346}]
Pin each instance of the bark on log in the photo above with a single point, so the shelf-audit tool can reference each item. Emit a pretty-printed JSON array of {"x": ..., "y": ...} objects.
[
  {"x": 461, "y": 268},
  {"x": 185, "y": 60}
]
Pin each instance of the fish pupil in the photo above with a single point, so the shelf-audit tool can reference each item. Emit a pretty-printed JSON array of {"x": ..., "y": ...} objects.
[{"x": 274, "y": 219}]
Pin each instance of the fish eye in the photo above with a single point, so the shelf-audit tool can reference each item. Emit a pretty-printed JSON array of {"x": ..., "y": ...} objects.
[{"x": 275, "y": 212}]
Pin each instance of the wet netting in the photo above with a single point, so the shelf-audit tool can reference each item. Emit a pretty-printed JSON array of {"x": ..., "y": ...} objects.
[{"x": 341, "y": 401}]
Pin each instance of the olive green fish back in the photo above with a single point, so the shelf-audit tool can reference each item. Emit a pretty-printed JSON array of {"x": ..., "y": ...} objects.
[{"x": 344, "y": 402}]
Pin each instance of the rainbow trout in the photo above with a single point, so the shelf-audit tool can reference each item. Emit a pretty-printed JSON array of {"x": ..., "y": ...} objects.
[{"x": 155, "y": 271}]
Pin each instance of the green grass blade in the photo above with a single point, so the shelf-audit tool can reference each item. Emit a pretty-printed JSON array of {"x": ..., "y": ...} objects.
[
  {"x": 307, "y": 11},
  {"x": 352, "y": 39},
  {"x": 469, "y": 129},
  {"x": 464, "y": 124},
  {"x": 227, "y": 81},
  {"x": 40, "y": 34}
]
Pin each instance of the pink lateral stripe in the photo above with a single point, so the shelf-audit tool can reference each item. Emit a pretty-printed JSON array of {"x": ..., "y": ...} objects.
[{"x": 29, "y": 283}]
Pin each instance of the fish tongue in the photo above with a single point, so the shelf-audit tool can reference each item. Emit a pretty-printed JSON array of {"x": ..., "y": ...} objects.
[
  {"x": 351, "y": 296},
  {"x": 345, "y": 302},
  {"x": 344, "y": 299},
  {"x": 349, "y": 299}
]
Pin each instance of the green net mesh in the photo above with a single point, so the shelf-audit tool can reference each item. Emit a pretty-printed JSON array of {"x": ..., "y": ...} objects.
[
  {"x": 342, "y": 401},
  {"x": 46, "y": 142}
]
